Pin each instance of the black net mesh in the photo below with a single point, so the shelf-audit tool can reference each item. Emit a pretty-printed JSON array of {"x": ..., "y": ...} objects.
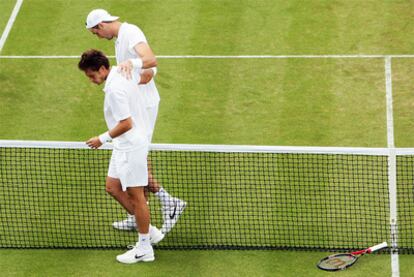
[
  {"x": 405, "y": 203},
  {"x": 55, "y": 198}
]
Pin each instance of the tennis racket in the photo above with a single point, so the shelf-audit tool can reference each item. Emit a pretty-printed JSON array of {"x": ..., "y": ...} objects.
[{"x": 344, "y": 260}]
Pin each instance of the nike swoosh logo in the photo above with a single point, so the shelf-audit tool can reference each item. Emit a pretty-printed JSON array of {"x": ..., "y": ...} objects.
[
  {"x": 175, "y": 210},
  {"x": 139, "y": 257}
]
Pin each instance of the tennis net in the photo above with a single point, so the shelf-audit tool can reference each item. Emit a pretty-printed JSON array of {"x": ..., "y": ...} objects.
[{"x": 52, "y": 195}]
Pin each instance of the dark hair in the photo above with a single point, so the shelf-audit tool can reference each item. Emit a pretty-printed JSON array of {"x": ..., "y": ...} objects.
[{"x": 93, "y": 59}]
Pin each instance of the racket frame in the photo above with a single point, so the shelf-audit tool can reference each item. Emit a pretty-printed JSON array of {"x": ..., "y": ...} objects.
[{"x": 354, "y": 255}]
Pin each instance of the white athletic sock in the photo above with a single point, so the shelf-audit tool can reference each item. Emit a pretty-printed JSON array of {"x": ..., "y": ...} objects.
[
  {"x": 144, "y": 240},
  {"x": 164, "y": 197}
]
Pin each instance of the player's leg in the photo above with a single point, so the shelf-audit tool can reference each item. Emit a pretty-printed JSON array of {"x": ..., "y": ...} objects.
[
  {"x": 133, "y": 173},
  {"x": 141, "y": 211},
  {"x": 143, "y": 250},
  {"x": 171, "y": 207},
  {"x": 113, "y": 188}
]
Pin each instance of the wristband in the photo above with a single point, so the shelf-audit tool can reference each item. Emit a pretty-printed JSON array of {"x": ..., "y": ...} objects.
[
  {"x": 105, "y": 137},
  {"x": 136, "y": 63}
]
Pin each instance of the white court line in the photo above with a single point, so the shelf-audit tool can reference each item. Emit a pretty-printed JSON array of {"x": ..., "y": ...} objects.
[
  {"x": 286, "y": 57},
  {"x": 392, "y": 171},
  {"x": 388, "y": 89},
  {"x": 228, "y": 57},
  {"x": 43, "y": 57},
  {"x": 10, "y": 23}
]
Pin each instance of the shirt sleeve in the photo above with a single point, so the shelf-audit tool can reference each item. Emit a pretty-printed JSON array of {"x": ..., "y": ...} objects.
[
  {"x": 135, "y": 36},
  {"x": 118, "y": 100}
]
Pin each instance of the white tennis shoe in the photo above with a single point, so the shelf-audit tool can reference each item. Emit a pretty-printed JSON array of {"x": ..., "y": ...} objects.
[
  {"x": 171, "y": 213},
  {"x": 137, "y": 254},
  {"x": 155, "y": 235},
  {"x": 129, "y": 224}
]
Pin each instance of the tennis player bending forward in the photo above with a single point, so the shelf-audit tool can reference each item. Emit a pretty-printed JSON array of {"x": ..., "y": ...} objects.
[{"x": 128, "y": 125}]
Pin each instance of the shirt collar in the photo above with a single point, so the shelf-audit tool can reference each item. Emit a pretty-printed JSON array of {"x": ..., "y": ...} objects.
[
  {"x": 120, "y": 32},
  {"x": 109, "y": 78}
]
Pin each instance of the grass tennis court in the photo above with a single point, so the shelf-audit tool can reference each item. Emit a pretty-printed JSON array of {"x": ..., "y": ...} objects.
[
  {"x": 307, "y": 102},
  {"x": 309, "y": 106}
]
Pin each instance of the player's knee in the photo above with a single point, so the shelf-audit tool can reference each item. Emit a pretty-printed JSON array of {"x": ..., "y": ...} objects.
[
  {"x": 111, "y": 190},
  {"x": 153, "y": 186},
  {"x": 152, "y": 189}
]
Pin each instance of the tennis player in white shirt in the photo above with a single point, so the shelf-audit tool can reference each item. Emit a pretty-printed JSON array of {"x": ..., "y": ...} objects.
[
  {"x": 132, "y": 53},
  {"x": 128, "y": 123}
]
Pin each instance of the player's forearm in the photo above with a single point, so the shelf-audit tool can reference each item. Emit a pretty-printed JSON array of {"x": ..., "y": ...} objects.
[
  {"x": 122, "y": 127},
  {"x": 146, "y": 58},
  {"x": 144, "y": 62},
  {"x": 149, "y": 61}
]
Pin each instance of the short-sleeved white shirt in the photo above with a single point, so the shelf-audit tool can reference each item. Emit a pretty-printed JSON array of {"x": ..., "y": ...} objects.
[
  {"x": 123, "y": 100},
  {"x": 128, "y": 36}
]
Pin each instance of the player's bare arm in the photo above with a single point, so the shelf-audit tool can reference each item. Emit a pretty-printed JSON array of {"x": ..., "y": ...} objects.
[
  {"x": 122, "y": 127},
  {"x": 146, "y": 60}
]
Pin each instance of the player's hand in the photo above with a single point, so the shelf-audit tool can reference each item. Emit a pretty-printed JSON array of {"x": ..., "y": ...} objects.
[
  {"x": 125, "y": 68},
  {"x": 146, "y": 76},
  {"x": 94, "y": 143}
]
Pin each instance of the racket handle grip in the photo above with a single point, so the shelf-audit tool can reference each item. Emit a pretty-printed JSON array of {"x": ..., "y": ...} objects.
[{"x": 377, "y": 247}]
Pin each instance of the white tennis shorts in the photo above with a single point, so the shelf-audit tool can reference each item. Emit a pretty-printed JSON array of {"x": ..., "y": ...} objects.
[
  {"x": 152, "y": 116},
  {"x": 129, "y": 167}
]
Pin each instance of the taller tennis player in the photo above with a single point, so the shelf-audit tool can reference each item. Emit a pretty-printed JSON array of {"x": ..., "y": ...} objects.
[
  {"x": 133, "y": 53},
  {"x": 128, "y": 123}
]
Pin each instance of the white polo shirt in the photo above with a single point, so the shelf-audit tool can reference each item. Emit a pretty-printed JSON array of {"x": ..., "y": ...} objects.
[
  {"x": 123, "y": 100},
  {"x": 128, "y": 36}
]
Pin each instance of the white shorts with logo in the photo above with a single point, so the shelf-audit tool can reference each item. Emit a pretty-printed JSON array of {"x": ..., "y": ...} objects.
[{"x": 129, "y": 167}]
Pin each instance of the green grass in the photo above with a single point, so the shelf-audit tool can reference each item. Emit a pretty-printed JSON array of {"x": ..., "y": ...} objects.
[
  {"x": 403, "y": 87},
  {"x": 6, "y": 7},
  {"x": 266, "y": 102},
  {"x": 182, "y": 263},
  {"x": 269, "y": 102},
  {"x": 273, "y": 102},
  {"x": 58, "y": 103},
  {"x": 223, "y": 27}
]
